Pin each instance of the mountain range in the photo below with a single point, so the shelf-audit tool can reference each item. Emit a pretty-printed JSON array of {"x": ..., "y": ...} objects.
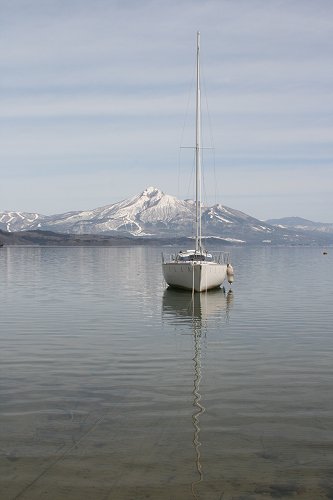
[{"x": 153, "y": 215}]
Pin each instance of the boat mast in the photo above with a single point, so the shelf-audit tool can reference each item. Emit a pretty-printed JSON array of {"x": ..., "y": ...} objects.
[{"x": 198, "y": 247}]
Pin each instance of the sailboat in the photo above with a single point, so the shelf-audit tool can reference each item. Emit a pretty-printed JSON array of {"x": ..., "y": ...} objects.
[{"x": 197, "y": 270}]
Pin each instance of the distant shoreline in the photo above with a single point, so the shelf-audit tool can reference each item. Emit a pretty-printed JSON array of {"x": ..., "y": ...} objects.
[{"x": 51, "y": 239}]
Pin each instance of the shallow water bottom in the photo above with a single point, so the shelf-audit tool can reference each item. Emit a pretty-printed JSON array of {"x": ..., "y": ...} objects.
[{"x": 105, "y": 455}]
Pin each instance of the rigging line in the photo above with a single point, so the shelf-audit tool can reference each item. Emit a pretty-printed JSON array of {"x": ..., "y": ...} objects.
[
  {"x": 190, "y": 184},
  {"x": 211, "y": 136},
  {"x": 185, "y": 125}
]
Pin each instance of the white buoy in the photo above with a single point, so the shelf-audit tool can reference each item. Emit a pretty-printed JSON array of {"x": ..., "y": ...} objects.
[{"x": 230, "y": 273}]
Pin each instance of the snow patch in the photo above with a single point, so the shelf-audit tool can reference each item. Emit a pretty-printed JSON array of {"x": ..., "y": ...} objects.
[
  {"x": 231, "y": 240},
  {"x": 219, "y": 217}
]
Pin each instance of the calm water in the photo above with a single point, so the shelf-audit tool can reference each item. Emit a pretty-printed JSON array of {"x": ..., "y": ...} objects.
[{"x": 112, "y": 387}]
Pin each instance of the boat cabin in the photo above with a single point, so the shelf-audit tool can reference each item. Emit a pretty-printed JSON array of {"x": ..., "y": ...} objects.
[{"x": 192, "y": 255}]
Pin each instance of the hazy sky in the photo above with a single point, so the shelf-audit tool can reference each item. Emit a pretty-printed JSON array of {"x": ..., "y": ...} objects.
[{"x": 94, "y": 96}]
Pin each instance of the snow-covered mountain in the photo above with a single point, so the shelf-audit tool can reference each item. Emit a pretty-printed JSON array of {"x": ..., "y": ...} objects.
[
  {"x": 155, "y": 214},
  {"x": 302, "y": 224},
  {"x": 150, "y": 213}
]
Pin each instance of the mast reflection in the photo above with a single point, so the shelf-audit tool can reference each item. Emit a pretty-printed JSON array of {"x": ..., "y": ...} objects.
[
  {"x": 195, "y": 310},
  {"x": 199, "y": 409}
]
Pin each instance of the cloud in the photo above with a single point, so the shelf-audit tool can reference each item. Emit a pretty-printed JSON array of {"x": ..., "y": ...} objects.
[{"x": 105, "y": 84}]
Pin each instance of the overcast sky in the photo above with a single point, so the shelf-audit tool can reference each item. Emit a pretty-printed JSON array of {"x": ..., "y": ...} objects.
[{"x": 94, "y": 98}]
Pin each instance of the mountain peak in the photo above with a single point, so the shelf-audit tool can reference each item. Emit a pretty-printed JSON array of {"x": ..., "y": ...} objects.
[{"x": 151, "y": 192}]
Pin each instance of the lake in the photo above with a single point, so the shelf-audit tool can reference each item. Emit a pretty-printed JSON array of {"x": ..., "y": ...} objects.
[{"x": 114, "y": 387}]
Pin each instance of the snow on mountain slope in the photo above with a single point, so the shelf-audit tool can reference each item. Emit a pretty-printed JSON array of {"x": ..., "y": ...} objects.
[
  {"x": 134, "y": 215},
  {"x": 154, "y": 213},
  {"x": 152, "y": 206},
  {"x": 138, "y": 215},
  {"x": 19, "y": 221}
]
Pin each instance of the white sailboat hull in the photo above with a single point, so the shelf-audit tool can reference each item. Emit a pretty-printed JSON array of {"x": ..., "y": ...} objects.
[{"x": 197, "y": 276}]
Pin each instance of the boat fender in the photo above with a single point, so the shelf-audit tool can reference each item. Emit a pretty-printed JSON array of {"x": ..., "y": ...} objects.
[{"x": 230, "y": 273}]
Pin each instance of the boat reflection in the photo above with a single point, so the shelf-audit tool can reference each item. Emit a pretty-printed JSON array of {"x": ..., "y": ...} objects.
[
  {"x": 181, "y": 306},
  {"x": 195, "y": 310}
]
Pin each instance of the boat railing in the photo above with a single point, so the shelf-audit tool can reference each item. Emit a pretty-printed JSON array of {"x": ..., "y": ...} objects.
[
  {"x": 218, "y": 257},
  {"x": 222, "y": 257}
]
